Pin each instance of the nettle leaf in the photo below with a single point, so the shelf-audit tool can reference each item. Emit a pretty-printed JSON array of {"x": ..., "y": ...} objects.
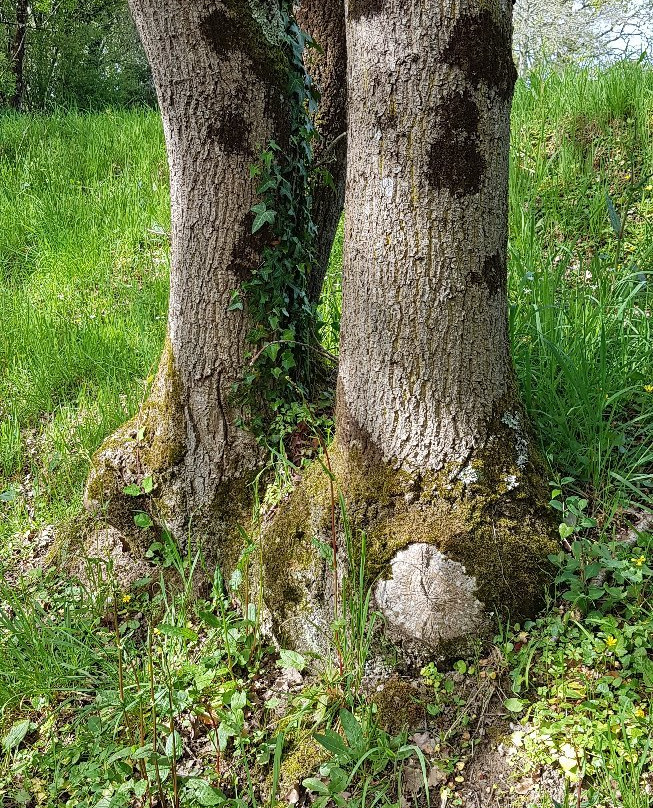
[
  {"x": 143, "y": 520},
  {"x": 132, "y": 490}
]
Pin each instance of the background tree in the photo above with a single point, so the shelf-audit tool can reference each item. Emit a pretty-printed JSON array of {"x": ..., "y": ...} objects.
[
  {"x": 593, "y": 32},
  {"x": 81, "y": 53},
  {"x": 327, "y": 65}
]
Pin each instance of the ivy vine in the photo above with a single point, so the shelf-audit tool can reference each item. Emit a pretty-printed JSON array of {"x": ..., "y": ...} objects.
[{"x": 281, "y": 369}]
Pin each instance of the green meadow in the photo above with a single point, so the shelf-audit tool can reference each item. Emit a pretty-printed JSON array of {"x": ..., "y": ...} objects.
[{"x": 84, "y": 254}]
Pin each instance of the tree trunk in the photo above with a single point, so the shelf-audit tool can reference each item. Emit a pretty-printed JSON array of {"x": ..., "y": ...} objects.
[
  {"x": 221, "y": 75},
  {"x": 327, "y": 65},
  {"x": 18, "y": 54},
  {"x": 432, "y": 452}
]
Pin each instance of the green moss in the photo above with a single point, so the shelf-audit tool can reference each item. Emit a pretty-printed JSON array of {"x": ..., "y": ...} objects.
[
  {"x": 303, "y": 761},
  {"x": 288, "y": 548},
  {"x": 492, "y": 517},
  {"x": 398, "y": 706}
]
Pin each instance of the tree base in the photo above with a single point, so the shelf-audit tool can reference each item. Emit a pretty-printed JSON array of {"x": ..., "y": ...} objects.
[
  {"x": 141, "y": 474},
  {"x": 444, "y": 552}
]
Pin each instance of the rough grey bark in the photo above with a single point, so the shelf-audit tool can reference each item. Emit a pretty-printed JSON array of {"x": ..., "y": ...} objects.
[
  {"x": 327, "y": 65},
  {"x": 424, "y": 356},
  {"x": 426, "y": 385},
  {"x": 220, "y": 76},
  {"x": 432, "y": 450}
]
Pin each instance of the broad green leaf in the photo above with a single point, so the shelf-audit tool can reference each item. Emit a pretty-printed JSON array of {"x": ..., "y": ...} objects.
[
  {"x": 180, "y": 632},
  {"x": 313, "y": 784},
  {"x": 132, "y": 490},
  {"x": 514, "y": 705},
  {"x": 352, "y": 728},
  {"x": 291, "y": 659},
  {"x": 174, "y": 739},
  {"x": 16, "y": 735},
  {"x": 331, "y": 741},
  {"x": 143, "y": 520},
  {"x": 210, "y": 619}
]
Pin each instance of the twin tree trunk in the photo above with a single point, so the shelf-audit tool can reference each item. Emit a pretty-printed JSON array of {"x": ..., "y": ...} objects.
[{"x": 432, "y": 450}]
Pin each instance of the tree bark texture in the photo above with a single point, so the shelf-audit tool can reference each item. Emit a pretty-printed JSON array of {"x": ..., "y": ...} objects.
[
  {"x": 424, "y": 356},
  {"x": 426, "y": 385},
  {"x": 432, "y": 452},
  {"x": 220, "y": 76},
  {"x": 327, "y": 65},
  {"x": 18, "y": 49}
]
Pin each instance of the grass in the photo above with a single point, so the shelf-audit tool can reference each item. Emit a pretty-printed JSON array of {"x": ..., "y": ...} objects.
[
  {"x": 83, "y": 295},
  {"x": 110, "y": 699}
]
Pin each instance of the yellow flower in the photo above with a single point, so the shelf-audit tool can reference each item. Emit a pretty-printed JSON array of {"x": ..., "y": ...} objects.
[
  {"x": 126, "y": 598},
  {"x": 610, "y": 641},
  {"x": 648, "y": 388},
  {"x": 639, "y": 560},
  {"x": 639, "y": 713}
]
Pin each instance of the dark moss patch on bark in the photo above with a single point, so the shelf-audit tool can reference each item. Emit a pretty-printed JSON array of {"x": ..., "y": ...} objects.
[
  {"x": 480, "y": 46},
  {"x": 234, "y": 29},
  {"x": 247, "y": 251},
  {"x": 493, "y": 273},
  {"x": 231, "y": 133},
  {"x": 365, "y": 8},
  {"x": 455, "y": 159}
]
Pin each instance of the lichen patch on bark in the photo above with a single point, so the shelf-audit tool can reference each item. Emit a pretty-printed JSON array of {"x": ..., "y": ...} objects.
[
  {"x": 365, "y": 8},
  {"x": 493, "y": 273},
  {"x": 235, "y": 28}
]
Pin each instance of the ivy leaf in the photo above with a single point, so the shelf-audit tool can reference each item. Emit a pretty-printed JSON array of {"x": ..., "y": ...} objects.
[
  {"x": 265, "y": 217},
  {"x": 235, "y": 303}
]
